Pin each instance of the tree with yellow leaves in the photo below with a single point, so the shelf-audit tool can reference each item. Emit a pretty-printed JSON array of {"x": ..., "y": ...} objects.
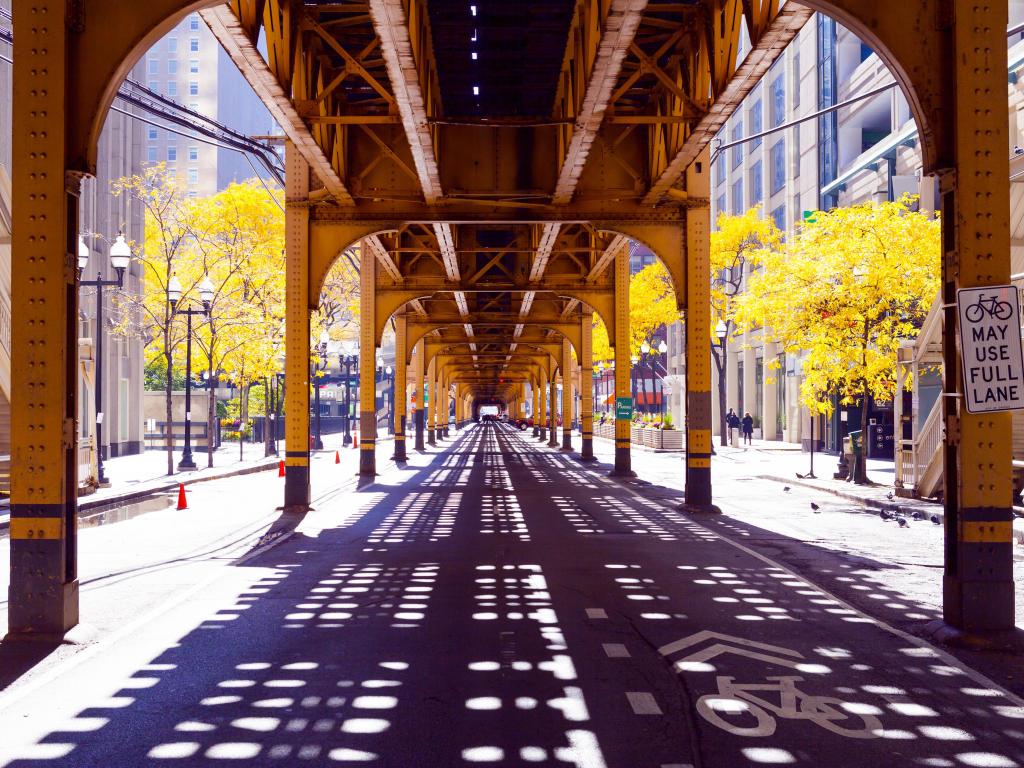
[
  {"x": 652, "y": 304},
  {"x": 738, "y": 241},
  {"x": 844, "y": 291}
]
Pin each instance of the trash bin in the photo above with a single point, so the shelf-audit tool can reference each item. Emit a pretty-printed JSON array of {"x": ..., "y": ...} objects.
[
  {"x": 857, "y": 442},
  {"x": 857, "y": 454}
]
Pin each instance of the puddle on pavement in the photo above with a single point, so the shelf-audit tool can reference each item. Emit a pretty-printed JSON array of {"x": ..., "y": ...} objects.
[{"x": 120, "y": 513}]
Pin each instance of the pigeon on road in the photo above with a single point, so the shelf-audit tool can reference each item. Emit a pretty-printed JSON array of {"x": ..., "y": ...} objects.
[
  {"x": 936, "y": 519},
  {"x": 786, "y": 489},
  {"x": 816, "y": 508},
  {"x": 889, "y": 495},
  {"x": 902, "y": 522},
  {"x": 919, "y": 515}
]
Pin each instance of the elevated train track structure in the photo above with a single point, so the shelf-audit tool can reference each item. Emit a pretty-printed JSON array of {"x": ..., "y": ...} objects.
[{"x": 493, "y": 160}]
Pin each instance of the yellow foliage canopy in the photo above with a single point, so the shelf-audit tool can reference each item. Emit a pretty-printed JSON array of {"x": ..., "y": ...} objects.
[
  {"x": 845, "y": 289},
  {"x": 652, "y": 304}
]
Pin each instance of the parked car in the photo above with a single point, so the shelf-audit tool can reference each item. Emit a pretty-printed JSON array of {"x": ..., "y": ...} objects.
[{"x": 525, "y": 423}]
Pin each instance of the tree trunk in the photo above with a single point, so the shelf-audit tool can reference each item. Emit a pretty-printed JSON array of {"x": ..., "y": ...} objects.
[
  {"x": 266, "y": 415},
  {"x": 861, "y": 476},
  {"x": 243, "y": 417}
]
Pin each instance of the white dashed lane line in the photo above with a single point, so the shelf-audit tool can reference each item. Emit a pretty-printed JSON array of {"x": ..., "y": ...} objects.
[
  {"x": 615, "y": 651},
  {"x": 643, "y": 703},
  {"x": 597, "y": 613}
]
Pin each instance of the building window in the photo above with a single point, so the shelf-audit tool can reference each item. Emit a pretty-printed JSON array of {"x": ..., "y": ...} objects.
[
  {"x": 172, "y": 87},
  {"x": 151, "y": 133},
  {"x": 151, "y": 154},
  {"x": 828, "y": 131},
  {"x": 778, "y": 102},
  {"x": 778, "y": 166},
  {"x": 756, "y": 123},
  {"x": 721, "y": 205},
  {"x": 172, "y": 45},
  {"x": 194, "y": 106},
  {"x": 154, "y": 66},
  {"x": 737, "y": 198},
  {"x": 193, "y": 153},
  {"x": 193, "y": 88},
  {"x": 172, "y": 66},
  {"x": 756, "y": 183},
  {"x": 779, "y": 217},
  {"x": 172, "y": 154},
  {"x": 193, "y": 44},
  {"x": 193, "y": 22},
  {"x": 796, "y": 81},
  {"x": 737, "y": 151},
  {"x": 193, "y": 175},
  {"x": 192, "y": 194},
  {"x": 154, "y": 86},
  {"x": 193, "y": 66}
]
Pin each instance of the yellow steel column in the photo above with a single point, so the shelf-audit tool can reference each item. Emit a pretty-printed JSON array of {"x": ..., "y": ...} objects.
[
  {"x": 445, "y": 406},
  {"x": 566, "y": 395},
  {"x": 458, "y": 406},
  {"x": 623, "y": 393},
  {"x": 978, "y": 582},
  {"x": 535, "y": 386},
  {"x": 587, "y": 385},
  {"x": 430, "y": 395},
  {"x": 367, "y": 363},
  {"x": 296, "y": 358},
  {"x": 399, "y": 396},
  {"x": 419, "y": 394},
  {"x": 542, "y": 396},
  {"x": 553, "y": 407},
  {"x": 44, "y": 302},
  {"x": 698, "y": 331}
]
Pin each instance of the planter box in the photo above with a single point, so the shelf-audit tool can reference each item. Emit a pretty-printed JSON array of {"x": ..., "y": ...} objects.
[
  {"x": 652, "y": 438},
  {"x": 635, "y": 436},
  {"x": 672, "y": 439}
]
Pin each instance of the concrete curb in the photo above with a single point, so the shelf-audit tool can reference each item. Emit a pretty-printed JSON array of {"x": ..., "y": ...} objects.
[
  {"x": 87, "y": 504},
  {"x": 905, "y": 506}
]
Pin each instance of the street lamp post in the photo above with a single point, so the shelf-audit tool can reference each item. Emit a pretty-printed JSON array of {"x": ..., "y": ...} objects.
[
  {"x": 206, "y": 296},
  {"x": 645, "y": 360},
  {"x": 662, "y": 350},
  {"x": 722, "y": 332},
  {"x": 347, "y": 359},
  {"x": 632, "y": 375},
  {"x": 319, "y": 365},
  {"x": 120, "y": 256}
]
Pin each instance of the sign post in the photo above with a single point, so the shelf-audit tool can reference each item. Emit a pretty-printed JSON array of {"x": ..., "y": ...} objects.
[{"x": 990, "y": 346}]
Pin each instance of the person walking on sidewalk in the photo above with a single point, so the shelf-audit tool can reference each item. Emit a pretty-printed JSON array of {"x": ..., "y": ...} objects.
[
  {"x": 748, "y": 428},
  {"x": 732, "y": 421}
]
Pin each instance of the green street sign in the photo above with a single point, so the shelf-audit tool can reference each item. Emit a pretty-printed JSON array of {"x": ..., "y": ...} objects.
[{"x": 623, "y": 407}]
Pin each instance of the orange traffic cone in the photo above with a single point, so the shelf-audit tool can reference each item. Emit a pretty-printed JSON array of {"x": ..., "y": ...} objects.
[
  {"x": 337, "y": 458},
  {"x": 182, "y": 501},
  {"x": 280, "y": 468},
  {"x": 355, "y": 441}
]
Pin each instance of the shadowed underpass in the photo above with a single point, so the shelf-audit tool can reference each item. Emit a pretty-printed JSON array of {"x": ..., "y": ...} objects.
[{"x": 505, "y": 605}]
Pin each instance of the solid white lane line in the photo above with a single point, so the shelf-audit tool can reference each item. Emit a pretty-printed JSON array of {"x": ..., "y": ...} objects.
[
  {"x": 615, "y": 650},
  {"x": 643, "y": 703},
  {"x": 597, "y": 613}
]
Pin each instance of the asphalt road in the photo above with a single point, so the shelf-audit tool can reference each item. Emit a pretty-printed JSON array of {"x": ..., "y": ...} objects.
[{"x": 503, "y": 604}]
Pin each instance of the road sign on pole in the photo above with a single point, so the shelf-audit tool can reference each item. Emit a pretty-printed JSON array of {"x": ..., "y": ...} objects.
[
  {"x": 623, "y": 407},
  {"x": 990, "y": 347}
]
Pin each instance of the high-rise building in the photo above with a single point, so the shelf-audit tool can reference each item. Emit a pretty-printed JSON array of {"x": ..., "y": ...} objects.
[
  {"x": 102, "y": 218},
  {"x": 189, "y": 66}
]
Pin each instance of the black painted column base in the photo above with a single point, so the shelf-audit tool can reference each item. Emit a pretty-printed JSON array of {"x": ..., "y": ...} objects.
[
  {"x": 698, "y": 487},
  {"x": 43, "y": 606},
  {"x": 566, "y": 440},
  {"x": 399, "y": 449},
  {"x": 367, "y": 458},
  {"x": 543, "y": 433},
  {"x": 296, "y": 482},
  {"x": 978, "y": 587},
  {"x": 587, "y": 452},
  {"x": 623, "y": 461},
  {"x": 419, "y": 430}
]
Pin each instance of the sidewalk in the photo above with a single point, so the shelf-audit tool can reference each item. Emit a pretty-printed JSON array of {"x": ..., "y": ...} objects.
[{"x": 139, "y": 476}]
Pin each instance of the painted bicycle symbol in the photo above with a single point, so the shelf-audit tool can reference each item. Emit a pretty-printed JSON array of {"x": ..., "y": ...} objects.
[
  {"x": 732, "y": 708},
  {"x": 990, "y": 307}
]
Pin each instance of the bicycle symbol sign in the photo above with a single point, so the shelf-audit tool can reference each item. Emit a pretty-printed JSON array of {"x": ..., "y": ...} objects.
[{"x": 990, "y": 344}]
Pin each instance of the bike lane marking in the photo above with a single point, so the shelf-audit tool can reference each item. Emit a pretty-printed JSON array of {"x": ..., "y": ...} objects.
[
  {"x": 597, "y": 613},
  {"x": 616, "y": 651},
  {"x": 643, "y": 703}
]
